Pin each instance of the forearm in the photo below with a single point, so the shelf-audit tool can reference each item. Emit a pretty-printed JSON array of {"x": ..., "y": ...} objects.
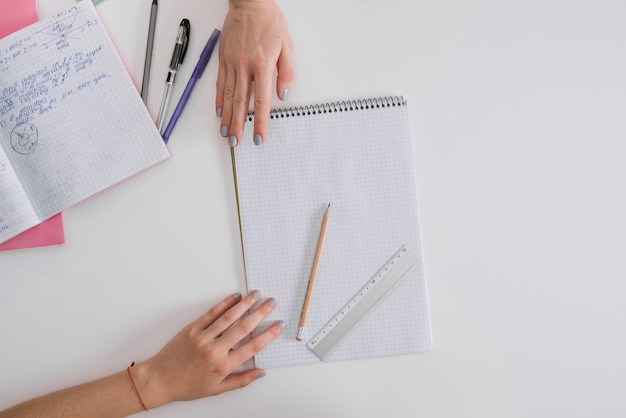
[{"x": 111, "y": 396}]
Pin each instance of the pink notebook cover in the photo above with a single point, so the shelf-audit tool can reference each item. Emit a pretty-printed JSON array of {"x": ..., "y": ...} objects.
[{"x": 15, "y": 15}]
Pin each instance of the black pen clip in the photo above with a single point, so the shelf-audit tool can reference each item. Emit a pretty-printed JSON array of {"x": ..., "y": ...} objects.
[
  {"x": 187, "y": 27},
  {"x": 182, "y": 41}
]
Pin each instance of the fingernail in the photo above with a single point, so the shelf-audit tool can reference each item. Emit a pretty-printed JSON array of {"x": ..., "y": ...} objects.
[
  {"x": 271, "y": 302},
  {"x": 258, "y": 139},
  {"x": 282, "y": 324},
  {"x": 237, "y": 295},
  {"x": 260, "y": 376},
  {"x": 232, "y": 141},
  {"x": 255, "y": 294},
  {"x": 284, "y": 95},
  {"x": 224, "y": 131},
  {"x": 218, "y": 112}
]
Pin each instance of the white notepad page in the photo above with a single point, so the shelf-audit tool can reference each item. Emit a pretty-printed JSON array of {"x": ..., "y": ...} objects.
[
  {"x": 356, "y": 156},
  {"x": 71, "y": 120}
]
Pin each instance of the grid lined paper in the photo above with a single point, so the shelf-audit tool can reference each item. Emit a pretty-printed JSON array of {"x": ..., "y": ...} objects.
[
  {"x": 71, "y": 121},
  {"x": 357, "y": 157}
]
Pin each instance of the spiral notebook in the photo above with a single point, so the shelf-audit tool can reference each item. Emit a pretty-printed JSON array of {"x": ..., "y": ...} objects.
[{"x": 357, "y": 156}]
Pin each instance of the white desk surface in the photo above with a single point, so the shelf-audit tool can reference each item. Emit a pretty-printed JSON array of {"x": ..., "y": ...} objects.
[{"x": 517, "y": 111}]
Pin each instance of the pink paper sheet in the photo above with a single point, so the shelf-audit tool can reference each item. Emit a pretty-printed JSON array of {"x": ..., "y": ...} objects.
[
  {"x": 48, "y": 233},
  {"x": 15, "y": 15}
]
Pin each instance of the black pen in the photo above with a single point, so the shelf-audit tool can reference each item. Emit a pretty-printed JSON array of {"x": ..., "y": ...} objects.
[{"x": 182, "y": 40}]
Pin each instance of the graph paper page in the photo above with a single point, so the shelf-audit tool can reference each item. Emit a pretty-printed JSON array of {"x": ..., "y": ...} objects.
[
  {"x": 71, "y": 120},
  {"x": 360, "y": 162}
]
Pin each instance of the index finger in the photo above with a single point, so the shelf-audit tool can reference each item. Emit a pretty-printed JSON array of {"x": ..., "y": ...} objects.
[
  {"x": 258, "y": 343},
  {"x": 262, "y": 104}
]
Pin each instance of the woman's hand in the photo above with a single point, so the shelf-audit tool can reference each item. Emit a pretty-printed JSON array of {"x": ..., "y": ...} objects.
[
  {"x": 199, "y": 361},
  {"x": 255, "y": 41}
]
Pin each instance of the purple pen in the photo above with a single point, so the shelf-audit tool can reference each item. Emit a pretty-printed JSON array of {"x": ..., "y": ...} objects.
[{"x": 197, "y": 73}]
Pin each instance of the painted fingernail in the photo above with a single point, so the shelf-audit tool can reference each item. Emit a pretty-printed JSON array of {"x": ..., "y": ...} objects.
[
  {"x": 237, "y": 295},
  {"x": 256, "y": 294},
  {"x": 282, "y": 324},
  {"x": 224, "y": 131},
  {"x": 259, "y": 376},
  {"x": 232, "y": 141},
  {"x": 271, "y": 302},
  {"x": 218, "y": 112},
  {"x": 284, "y": 95},
  {"x": 258, "y": 139}
]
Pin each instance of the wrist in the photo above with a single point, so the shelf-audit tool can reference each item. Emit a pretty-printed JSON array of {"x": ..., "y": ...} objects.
[
  {"x": 151, "y": 391},
  {"x": 251, "y": 5}
]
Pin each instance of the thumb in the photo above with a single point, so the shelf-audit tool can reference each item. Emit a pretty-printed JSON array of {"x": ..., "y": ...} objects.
[{"x": 240, "y": 380}]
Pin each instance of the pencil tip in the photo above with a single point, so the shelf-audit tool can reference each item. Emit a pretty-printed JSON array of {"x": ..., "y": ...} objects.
[{"x": 329, "y": 205}]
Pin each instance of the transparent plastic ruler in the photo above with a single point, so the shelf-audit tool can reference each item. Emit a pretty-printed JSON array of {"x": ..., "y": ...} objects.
[{"x": 327, "y": 339}]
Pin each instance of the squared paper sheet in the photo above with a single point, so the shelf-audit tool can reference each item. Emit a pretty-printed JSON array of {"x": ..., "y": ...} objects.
[
  {"x": 15, "y": 16},
  {"x": 360, "y": 161},
  {"x": 71, "y": 120}
]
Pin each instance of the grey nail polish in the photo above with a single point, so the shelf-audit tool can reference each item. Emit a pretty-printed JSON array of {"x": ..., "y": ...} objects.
[
  {"x": 258, "y": 139},
  {"x": 232, "y": 141},
  {"x": 271, "y": 302},
  {"x": 282, "y": 324},
  {"x": 284, "y": 95},
  {"x": 260, "y": 376},
  {"x": 218, "y": 112},
  {"x": 237, "y": 295},
  {"x": 255, "y": 294},
  {"x": 224, "y": 131}
]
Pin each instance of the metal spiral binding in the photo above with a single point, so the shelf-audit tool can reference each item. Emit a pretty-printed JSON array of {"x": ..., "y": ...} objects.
[{"x": 334, "y": 107}]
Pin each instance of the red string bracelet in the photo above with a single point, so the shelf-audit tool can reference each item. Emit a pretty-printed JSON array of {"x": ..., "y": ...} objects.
[{"x": 135, "y": 386}]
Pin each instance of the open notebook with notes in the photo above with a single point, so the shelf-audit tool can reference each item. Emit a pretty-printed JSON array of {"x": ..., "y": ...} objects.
[
  {"x": 71, "y": 120},
  {"x": 18, "y": 14}
]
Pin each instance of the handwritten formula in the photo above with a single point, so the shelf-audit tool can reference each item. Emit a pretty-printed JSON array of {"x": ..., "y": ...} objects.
[{"x": 43, "y": 89}]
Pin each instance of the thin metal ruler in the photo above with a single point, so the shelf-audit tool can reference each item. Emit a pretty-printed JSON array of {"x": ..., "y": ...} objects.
[{"x": 359, "y": 306}]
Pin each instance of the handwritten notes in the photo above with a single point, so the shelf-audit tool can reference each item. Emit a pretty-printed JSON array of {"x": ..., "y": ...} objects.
[
  {"x": 42, "y": 89},
  {"x": 71, "y": 121}
]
